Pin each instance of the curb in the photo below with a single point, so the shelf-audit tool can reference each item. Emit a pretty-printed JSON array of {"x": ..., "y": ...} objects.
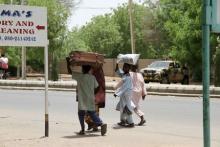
[{"x": 152, "y": 89}]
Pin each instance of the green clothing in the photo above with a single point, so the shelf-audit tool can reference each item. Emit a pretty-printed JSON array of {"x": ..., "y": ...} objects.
[{"x": 86, "y": 84}]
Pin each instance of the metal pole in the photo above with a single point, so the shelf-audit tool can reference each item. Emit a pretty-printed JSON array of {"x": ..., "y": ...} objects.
[
  {"x": 23, "y": 55},
  {"x": 23, "y": 50},
  {"x": 131, "y": 27},
  {"x": 46, "y": 90},
  {"x": 206, "y": 70}
]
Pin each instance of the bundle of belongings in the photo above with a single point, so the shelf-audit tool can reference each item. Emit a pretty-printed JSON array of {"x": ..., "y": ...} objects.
[
  {"x": 79, "y": 58},
  {"x": 131, "y": 59}
]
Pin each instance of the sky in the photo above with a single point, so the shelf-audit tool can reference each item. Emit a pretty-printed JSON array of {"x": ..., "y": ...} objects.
[{"x": 90, "y": 8}]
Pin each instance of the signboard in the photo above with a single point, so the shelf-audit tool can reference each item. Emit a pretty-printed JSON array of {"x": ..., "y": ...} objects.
[
  {"x": 218, "y": 11},
  {"x": 23, "y": 25},
  {"x": 216, "y": 16}
]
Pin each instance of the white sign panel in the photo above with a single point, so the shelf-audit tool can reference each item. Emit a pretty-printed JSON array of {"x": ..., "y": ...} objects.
[
  {"x": 23, "y": 25},
  {"x": 215, "y": 14},
  {"x": 218, "y": 11}
]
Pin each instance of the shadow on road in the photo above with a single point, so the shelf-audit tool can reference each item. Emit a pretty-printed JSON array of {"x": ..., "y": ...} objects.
[{"x": 82, "y": 136}]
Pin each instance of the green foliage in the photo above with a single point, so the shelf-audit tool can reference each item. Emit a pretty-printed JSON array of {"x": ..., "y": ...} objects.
[
  {"x": 74, "y": 41},
  {"x": 181, "y": 21},
  {"x": 142, "y": 21},
  {"x": 167, "y": 29},
  {"x": 110, "y": 33},
  {"x": 101, "y": 35},
  {"x": 217, "y": 65},
  {"x": 36, "y": 65},
  {"x": 13, "y": 53},
  {"x": 57, "y": 22},
  {"x": 54, "y": 73},
  {"x": 35, "y": 58},
  {"x": 17, "y": 2},
  {"x": 57, "y": 13}
]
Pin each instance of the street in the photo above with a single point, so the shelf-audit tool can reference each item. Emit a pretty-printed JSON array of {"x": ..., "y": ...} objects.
[{"x": 171, "y": 121}]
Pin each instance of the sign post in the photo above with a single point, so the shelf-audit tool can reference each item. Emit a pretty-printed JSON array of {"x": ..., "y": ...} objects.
[
  {"x": 23, "y": 56},
  {"x": 216, "y": 16},
  {"x": 206, "y": 70},
  {"x": 46, "y": 91},
  {"x": 26, "y": 26},
  {"x": 211, "y": 19}
]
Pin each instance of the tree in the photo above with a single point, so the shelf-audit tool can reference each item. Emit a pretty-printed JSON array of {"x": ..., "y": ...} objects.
[
  {"x": 145, "y": 34},
  {"x": 9, "y": 2},
  {"x": 110, "y": 34},
  {"x": 57, "y": 28},
  {"x": 74, "y": 41},
  {"x": 101, "y": 35},
  {"x": 181, "y": 21},
  {"x": 13, "y": 53},
  {"x": 58, "y": 13}
]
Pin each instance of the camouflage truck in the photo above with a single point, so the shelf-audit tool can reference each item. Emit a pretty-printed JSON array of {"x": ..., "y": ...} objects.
[{"x": 166, "y": 72}]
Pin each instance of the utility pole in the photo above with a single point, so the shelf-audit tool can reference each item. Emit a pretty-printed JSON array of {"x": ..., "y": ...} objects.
[
  {"x": 130, "y": 5},
  {"x": 23, "y": 54}
]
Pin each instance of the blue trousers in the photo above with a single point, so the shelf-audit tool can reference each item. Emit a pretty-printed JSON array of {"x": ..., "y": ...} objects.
[{"x": 92, "y": 114}]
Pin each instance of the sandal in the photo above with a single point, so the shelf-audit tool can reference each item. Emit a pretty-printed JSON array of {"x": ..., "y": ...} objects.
[
  {"x": 81, "y": 132},
  {"x": 103, "y": 129},
  {"x": 142, "y": 122},
  {"x": 121, "y": 123},
  {"x": 130, "y": 125}
]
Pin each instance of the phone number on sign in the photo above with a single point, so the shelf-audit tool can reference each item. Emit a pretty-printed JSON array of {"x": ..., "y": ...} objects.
[{"x": 17, "y": 38}]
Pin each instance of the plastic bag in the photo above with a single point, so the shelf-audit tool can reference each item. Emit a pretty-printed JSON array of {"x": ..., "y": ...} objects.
[{"x": 128, "y": 58}]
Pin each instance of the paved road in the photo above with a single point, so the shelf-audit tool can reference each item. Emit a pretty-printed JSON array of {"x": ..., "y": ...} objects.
[
  {"x": 152, "y": 88},
  {"x": 171, "y": 121}
]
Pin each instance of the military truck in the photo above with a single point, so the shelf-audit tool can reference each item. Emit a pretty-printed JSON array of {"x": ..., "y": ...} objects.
[{"x": 166, "y": 72}]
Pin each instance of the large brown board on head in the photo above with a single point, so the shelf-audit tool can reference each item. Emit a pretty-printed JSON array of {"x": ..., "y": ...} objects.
[
  {"x": 86, "y": 58},
  {"x": 96, "y": 60}
]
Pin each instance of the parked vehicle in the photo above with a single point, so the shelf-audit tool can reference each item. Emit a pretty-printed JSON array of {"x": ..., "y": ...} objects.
[{"x": 166, "y": 72}]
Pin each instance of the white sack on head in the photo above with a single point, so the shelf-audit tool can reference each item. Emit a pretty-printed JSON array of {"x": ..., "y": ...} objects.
[{"x": 128, "y": 58}]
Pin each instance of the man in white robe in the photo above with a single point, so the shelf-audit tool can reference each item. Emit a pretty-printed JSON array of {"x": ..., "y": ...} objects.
[
  {"x": 124, "y": 91},
  {"x": 138, "y": 92}
]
